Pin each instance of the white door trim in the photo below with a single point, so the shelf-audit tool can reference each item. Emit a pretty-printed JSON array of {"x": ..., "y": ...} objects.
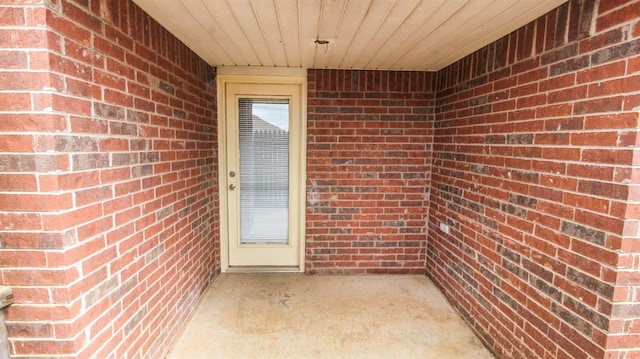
[{"x": 227, "y": 76}]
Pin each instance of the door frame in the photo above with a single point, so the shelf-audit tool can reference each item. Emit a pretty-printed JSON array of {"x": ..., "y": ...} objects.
[{"x": 253, "y": 75}]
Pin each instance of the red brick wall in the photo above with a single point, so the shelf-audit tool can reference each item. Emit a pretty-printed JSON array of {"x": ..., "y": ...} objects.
[
  {"x": 108, "y": 196},
  {"x": 368, "y": 168},
  {"x": 534, "y": 144},
  {"x": 108, "y": 193}
]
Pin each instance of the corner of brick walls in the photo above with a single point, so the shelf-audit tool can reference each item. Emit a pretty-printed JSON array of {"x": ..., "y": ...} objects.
[
  {"x": 368, "y": 171},
  {"x": 108, "y": 192},
  {"x": 533, "y": 171}
]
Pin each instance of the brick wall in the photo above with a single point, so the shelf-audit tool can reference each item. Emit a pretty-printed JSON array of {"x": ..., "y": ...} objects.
[
  {"x": 108, "y": 192},
  {"x": 368, "y": 171},
  {"x": 534, "y": 148},
  {"x": 108, "y": 196}
]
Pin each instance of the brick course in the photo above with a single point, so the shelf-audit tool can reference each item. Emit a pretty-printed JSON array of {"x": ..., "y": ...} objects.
[
  {"x": 533, "y": 171},
  {"x": 108, "y": 194}
]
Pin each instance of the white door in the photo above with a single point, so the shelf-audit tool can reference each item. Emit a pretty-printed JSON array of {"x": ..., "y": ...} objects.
[{"x": 264, "y": 177}]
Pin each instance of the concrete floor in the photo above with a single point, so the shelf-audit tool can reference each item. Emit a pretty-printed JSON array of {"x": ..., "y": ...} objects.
[{"x": 297, "y": 316}]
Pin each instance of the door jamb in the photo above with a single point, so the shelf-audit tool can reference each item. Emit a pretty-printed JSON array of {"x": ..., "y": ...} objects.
[{"x": 286, "y": 76}]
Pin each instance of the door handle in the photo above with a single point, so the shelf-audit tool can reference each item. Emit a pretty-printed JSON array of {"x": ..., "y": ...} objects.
[{"x": 232, "y": 186}]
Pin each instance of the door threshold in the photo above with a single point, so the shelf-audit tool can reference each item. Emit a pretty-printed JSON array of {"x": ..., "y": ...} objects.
[{"x": 263, "y": 269}]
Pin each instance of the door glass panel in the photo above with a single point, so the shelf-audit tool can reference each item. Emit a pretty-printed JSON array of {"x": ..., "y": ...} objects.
[{"x": 264, "y": 171}]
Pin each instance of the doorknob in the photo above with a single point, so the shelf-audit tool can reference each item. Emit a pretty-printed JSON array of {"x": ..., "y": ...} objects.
[{"x": 232, "y": 186}]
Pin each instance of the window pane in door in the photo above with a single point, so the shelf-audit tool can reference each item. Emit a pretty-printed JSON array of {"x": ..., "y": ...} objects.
[{"x": 264, "y": 171}]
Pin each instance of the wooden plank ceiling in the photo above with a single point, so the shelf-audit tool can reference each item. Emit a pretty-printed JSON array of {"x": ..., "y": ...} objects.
[{"x": 361, "y": 34}]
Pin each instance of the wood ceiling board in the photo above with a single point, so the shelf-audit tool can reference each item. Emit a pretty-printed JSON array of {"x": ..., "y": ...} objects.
[
  {"x": 407, "y": 35},
  {"x": 244, "y": 15},
  {"x": 267, "y": 19},
  {"x": 332, "y": 14},
  {"x": 331, "y": 17},
  {"x": 487, "y": 14},
  {"x": 376, "y": 14},
  {"x": 309, "y": 20},
  {"x": 233, "y": 31},
  {"x": 165, "y": 17},
  {"x": 356, "y": 11},
  {"x": 398, "y": 57},
  {"x": 448, "y": 30},
  {"x": 492, "y": 33},
  {"x": 395, "y": 20},
  {"x": 217, "y": 35},
  {"x": 288, "y": 11}
]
